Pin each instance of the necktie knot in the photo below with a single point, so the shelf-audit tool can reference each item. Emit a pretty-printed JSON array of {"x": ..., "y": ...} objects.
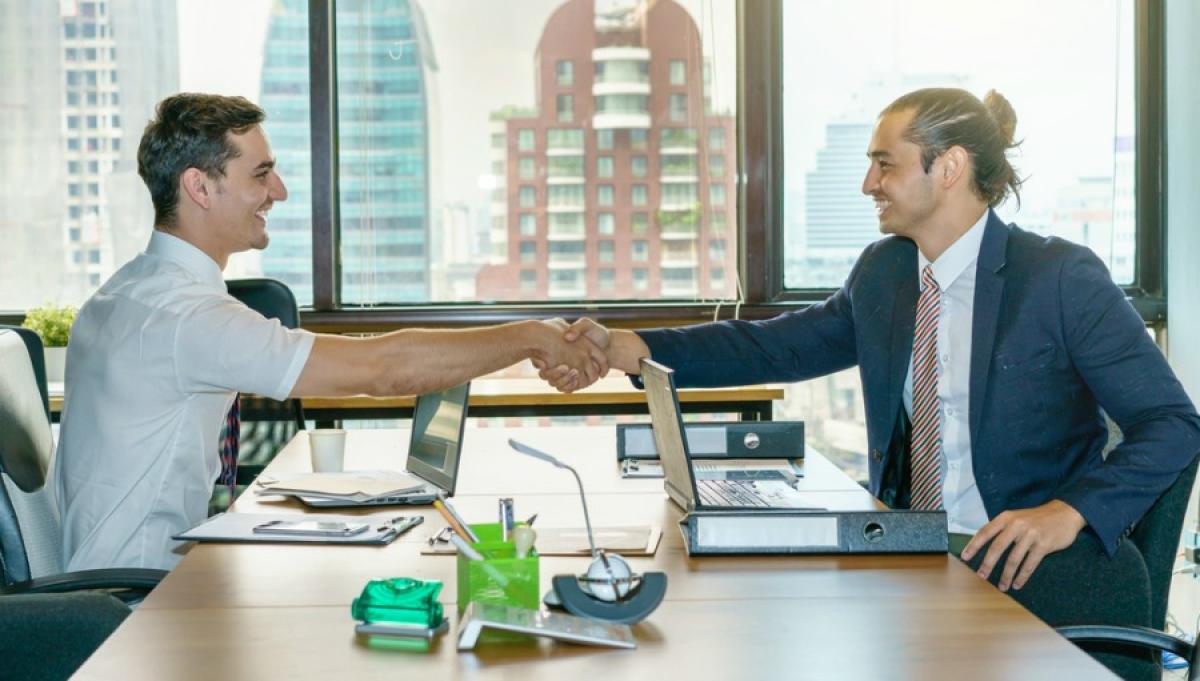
[{"x": 927, "y": 279}]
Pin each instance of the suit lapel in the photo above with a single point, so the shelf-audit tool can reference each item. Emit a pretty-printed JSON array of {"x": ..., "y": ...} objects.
[{"x": 989, "y": 291}]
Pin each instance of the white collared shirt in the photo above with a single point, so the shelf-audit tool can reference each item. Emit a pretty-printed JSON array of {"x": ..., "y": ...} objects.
[
  {"x": 154, "y": 361},
  {"x": 954, "y": 272}
]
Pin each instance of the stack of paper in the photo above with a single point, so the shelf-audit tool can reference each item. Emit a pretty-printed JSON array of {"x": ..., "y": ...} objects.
[{"x": 350, "y": 486}]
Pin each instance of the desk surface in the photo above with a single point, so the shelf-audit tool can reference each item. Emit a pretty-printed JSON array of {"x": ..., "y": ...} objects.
[
  {"x": 533, "y": 392},
  {"x": 259, "y": 611}
]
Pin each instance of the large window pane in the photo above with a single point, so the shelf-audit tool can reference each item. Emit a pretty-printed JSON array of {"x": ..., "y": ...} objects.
[
  {"x": 1070, "y": 82},
  {"x": 81, "y": 80},
  {"x": 576, "y": 85}
]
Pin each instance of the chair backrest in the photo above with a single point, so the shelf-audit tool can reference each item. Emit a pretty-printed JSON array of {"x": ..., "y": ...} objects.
[
  {"x": 37, "y": 356},
  {"x": 1157, "y": 536},
  {"x": 30, "y": 545},
  {"x": 269, "y": 297}
]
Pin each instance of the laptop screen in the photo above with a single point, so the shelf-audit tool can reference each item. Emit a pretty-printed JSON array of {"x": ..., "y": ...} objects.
[
  {"x": 437, "y": 431},
  {"x": 668, "y": 433}
]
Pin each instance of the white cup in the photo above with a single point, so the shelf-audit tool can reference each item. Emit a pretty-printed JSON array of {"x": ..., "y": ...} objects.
[{"x": 328, "y": 447}]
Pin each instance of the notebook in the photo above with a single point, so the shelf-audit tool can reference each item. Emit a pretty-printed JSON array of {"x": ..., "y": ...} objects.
[
  {"x": 430, "y": 469},
  {"x": 680, "y": 479}
]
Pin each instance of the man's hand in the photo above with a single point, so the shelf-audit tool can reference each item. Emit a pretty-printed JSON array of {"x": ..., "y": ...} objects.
[
  {"x": 578, "y": 362},
  {"x": 584, "y": 331},
  {"x": 1033, "y": 533}
]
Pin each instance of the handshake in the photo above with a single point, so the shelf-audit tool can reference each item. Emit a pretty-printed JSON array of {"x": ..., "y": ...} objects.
[{"x": 571, "y": 357}]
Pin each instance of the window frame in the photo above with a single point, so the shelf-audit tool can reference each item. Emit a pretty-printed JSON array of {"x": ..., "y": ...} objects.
[{"x": 755, "y": 154}]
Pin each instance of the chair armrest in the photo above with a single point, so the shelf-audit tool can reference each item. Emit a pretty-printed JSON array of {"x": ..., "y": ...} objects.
[
  {"x": 132, "y": 579},
  {"x": 1133, "y": 635}
]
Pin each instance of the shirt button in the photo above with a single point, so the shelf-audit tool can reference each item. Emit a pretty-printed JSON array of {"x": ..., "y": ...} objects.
[
  {"x": 949, "y": 411},
  {"x": 945, "y": 358}
]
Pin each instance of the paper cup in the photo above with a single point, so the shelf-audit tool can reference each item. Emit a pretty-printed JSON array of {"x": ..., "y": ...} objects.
[{"x": 328, "y": 447}]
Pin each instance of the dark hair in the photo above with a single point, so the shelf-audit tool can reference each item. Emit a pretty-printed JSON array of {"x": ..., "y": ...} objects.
[
  {"x": 189, "y": 131},
  {"x": 947, "y": 117}
]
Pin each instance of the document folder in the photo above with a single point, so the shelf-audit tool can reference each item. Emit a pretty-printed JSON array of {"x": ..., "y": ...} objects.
[{"x": 813, "y": 532}]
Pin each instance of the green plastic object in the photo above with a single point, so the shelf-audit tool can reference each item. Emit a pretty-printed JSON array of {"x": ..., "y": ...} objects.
[
  {"x": 500, "y": 578},
  {"x": 401, "y": 599}
]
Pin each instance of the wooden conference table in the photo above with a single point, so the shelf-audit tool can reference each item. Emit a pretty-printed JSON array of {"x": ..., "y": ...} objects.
[
  {"x": 264, "y": 612},
  {"x": 526, "y": 397}
]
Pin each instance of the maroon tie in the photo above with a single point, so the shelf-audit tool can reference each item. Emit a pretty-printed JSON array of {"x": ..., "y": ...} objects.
[
  {"x": 926, "y": 405},
  {"x": 229, "y": 447}
]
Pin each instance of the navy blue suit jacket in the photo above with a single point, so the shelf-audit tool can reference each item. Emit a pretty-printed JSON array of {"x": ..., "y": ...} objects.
[{"x": 1053, "y": 342}]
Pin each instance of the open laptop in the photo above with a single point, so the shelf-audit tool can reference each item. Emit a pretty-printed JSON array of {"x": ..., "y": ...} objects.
[
  {"x": 680, "y": 479},
  {"x": 434, "y": 452}
]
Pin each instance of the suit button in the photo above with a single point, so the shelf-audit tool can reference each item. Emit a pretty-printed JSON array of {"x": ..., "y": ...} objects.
[{"x": 876, "y": 455}]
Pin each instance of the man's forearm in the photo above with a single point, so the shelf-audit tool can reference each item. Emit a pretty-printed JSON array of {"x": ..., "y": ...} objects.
[{"x": 625, "y": 349}]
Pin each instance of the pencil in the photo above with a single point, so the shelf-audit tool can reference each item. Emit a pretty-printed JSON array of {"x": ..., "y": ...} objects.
[{"x": 456, "y": 523}]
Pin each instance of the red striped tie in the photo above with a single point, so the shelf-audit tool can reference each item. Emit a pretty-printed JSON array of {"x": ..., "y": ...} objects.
[{"x": 926, "y": 405}]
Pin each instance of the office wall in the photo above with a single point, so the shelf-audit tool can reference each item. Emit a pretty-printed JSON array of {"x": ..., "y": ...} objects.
[{"x": 1183, "y": 193}]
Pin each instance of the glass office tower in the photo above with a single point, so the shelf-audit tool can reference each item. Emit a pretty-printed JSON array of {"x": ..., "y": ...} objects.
[{"x": 385, "y": 62}]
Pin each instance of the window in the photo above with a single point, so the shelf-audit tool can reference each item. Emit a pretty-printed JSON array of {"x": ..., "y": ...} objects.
[
  {"x": 1078, "y": 153},
  {"x": 526, "y": 169},
  {"x": 606, "y": 278},
  {"x": 566, "y": 196},
  {"x": 716, "y": 194},
  {"x": 604, "y": 195},
  {"x": 94, "y": 257},
  {"x": 605, "y": 251},
  {"x": 604, "y": 140},
  {"x": 528, "y": 251},
  {"x": 604, "y": 166},
  {"x": 718, "y": 222},
  {"x": 716, "y": 165},
  {"x": 637, "y": 166},
  {"x": 605, "y": 224},
  {"x": 717, "y": 278},
  {"x": 678, "y": 109},
  {"x": 566, "y": 108},
  {"x": 566, "y": 73},
  {"x": 716, "y": 139},
  {"x": 528, "y": 224},
  {"x": 527, "y": 197},
  {"x": 637, "y": 195},
  {"x": 641, "y": 279},
  {"x": 640, "y": 250},
  {"x": 639, "y": 223},
  {"x": 637, "y": 139},
  {"x": 678, "y": 72},
  {"x": 716, "y": 250},
  {"x": 525, "y": 140}
]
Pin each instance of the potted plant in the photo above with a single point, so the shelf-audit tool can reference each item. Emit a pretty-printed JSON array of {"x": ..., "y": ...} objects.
[{"x": 53, "y": 324}]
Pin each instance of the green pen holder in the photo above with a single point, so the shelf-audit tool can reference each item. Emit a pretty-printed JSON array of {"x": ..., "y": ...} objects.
[{"x": 499, "y": 578}]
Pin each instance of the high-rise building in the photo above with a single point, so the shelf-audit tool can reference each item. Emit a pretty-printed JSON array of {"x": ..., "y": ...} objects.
[
  {"x": 620, "y": 184},
  {"x": 386, "y": 129},
  {"x": 83, "y": 77}
]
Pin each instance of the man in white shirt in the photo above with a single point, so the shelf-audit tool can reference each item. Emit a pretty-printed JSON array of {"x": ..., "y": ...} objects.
[
  {"x": 159, "y": 352},
  {"x": 989, "y": 358}
]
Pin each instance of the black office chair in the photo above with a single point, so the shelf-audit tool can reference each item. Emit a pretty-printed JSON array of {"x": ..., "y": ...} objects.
[
  {"x": 1157, "y": 537},
  {"x": 273, "y": 425},
  {"x": 37, "y": 609}
]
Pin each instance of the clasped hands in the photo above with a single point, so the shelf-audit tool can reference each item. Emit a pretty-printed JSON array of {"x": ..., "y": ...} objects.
[{"x": 574, "y": 358}]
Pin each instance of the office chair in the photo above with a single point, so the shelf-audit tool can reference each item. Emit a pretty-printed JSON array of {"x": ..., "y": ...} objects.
[
  {"x": 1157, "y": 538},
  {"x": 261, "y": 438},
  {"x": 40, "y": 617}
]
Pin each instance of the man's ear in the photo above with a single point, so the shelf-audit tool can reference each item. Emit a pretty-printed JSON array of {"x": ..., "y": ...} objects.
[
  {"x": 955, "y": 164},
  {"x": 197, "y": 185}
]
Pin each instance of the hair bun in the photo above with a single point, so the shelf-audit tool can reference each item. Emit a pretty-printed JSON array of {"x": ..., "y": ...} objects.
[{"x": 1004, "y": 114}]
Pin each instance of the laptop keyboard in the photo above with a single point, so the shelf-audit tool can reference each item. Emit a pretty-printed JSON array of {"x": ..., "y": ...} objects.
[{"x": 728, "y": 493}]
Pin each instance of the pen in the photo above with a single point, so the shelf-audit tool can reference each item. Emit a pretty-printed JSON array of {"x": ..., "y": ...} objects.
[
  {"x": 529, "y": 523},
  {"x": 454, "y": 522},
  {"x": 506, "y": 518}
]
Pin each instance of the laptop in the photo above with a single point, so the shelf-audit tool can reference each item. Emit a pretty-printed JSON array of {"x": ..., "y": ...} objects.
[
  {"x": 752, "y": 490},
  {"x": 434, "y": 452}
]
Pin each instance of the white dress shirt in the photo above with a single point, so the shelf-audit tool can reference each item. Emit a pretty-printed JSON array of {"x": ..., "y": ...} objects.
[
  {"x": 154, "y": 361},
  {"x": 954, "y": 271}
]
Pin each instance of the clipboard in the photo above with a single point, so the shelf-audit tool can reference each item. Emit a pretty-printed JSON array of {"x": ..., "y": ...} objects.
[{"x": 383, "y": 528}]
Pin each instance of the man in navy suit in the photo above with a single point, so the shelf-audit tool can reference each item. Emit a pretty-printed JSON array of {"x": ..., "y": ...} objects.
[{"x": 1024, "y": 341}]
